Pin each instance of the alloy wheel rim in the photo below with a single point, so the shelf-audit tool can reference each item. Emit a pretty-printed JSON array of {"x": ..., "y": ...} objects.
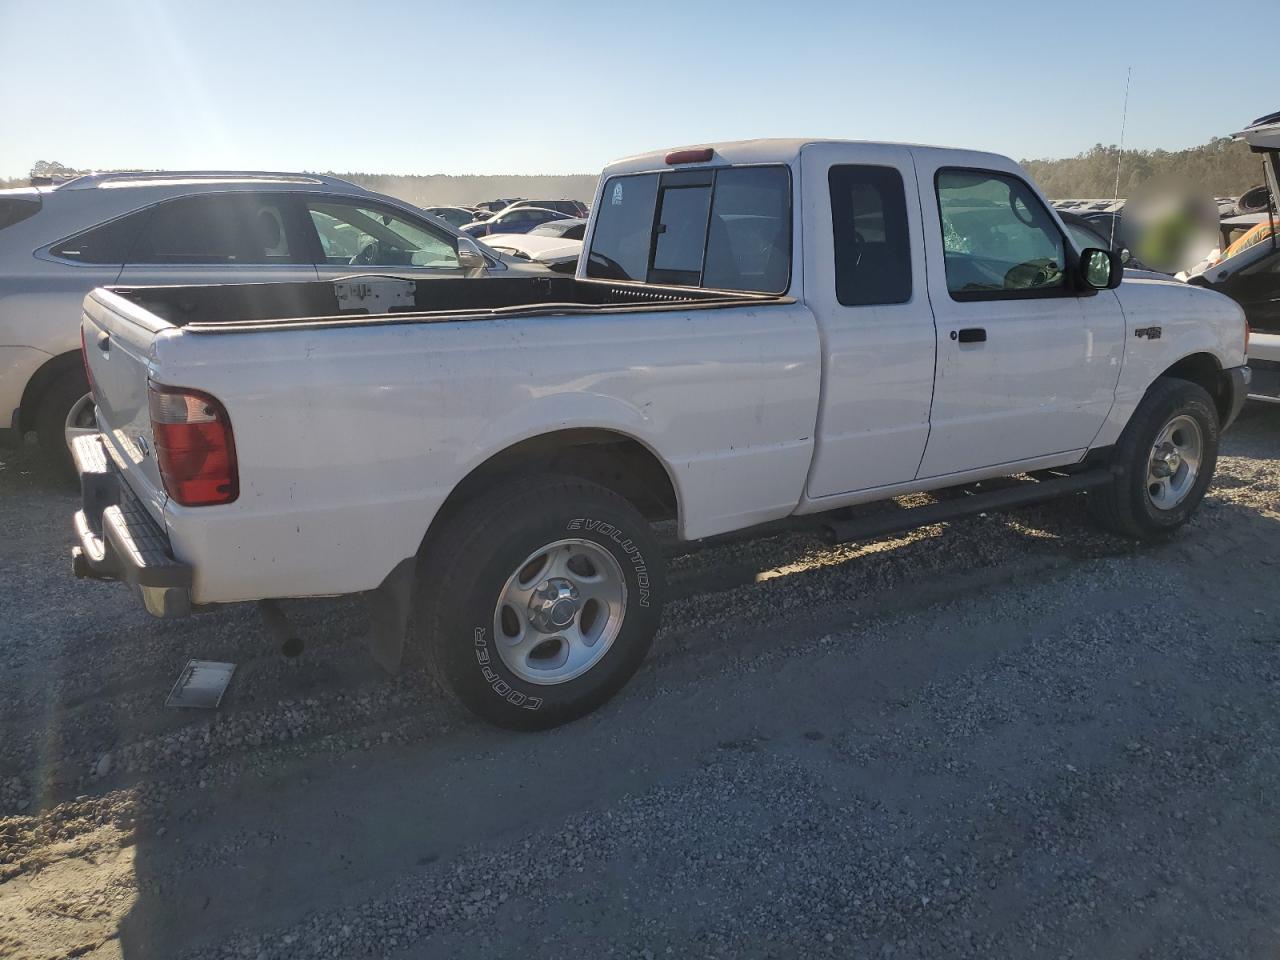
[
  {"x": 560, "y": 611},
  {"x": 1174, "y": 462}
]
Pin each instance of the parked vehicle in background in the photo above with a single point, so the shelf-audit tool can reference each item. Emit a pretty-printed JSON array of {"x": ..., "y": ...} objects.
[
  {"x": 59, "y": 242},
  {"x": 490, "y": 207},
  {"x": 454, "y": 216},
  {"x": 512, "y": 220},
  {"x": 572, "y": 228},
  {"x": 757, "y": 330},
  {"x": 1107, "y": 222},
  {"x": 1249, "y": 270},
  {"x": 568, "y": 208},
  {"x": 1086, "y": 234},
  {"x": 558, "y": 253},
  {"x": 557, "y": 244}
]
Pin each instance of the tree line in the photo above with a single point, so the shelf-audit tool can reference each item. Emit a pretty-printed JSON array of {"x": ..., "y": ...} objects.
[{"x": 1221, "y": 167}]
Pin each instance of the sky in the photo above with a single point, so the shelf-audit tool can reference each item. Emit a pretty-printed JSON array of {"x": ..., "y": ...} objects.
[{"x": 491, "y": 86}]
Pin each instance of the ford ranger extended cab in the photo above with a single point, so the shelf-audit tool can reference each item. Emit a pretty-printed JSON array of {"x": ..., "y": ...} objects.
[{"x": 756, "y": 331}]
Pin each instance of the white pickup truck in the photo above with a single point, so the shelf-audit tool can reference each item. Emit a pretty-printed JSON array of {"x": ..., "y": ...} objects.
[{"x": 756, "y": 331}]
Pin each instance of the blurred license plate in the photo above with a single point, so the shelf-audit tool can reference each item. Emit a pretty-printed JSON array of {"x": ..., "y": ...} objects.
[{"x": 201, "y": 684}]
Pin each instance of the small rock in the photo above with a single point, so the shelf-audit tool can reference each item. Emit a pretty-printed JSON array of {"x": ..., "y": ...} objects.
[{"x": 103, "y": 766}]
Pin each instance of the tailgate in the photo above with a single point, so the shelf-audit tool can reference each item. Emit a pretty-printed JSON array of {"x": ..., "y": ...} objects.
[{"x": 118, "y": 338}]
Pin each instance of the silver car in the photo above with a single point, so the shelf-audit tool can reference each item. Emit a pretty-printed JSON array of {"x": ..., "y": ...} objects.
[{"x": 59, "y": 242}]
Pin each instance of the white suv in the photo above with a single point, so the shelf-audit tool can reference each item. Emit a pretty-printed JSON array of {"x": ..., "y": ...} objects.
[{"x": 58, "y": 243}]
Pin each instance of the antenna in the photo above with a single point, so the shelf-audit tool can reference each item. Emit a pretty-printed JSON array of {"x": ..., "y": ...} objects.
[{"x": 1124, "y": 119}]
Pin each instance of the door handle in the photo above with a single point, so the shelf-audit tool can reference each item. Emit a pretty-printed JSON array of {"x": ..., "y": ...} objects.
[{"x": 970, "y": 335}]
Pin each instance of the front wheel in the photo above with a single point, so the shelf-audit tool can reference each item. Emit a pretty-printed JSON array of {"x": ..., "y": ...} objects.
[
  {"x": 539, "y": 599},
  {"x": 1164, "y": 462}
]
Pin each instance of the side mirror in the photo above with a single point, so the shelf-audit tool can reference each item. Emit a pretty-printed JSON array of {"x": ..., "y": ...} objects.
[
  {"x": 1100, "y": 269},
  {"x": 470, "y": 258}
]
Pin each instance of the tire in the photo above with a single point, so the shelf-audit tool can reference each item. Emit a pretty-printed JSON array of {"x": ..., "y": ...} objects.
[
  {"x": 51, "y": 418},
  {"x": 1143, "y": 502},
  {"x": 521, "y": 542},
  {"x": 1253, "y": 200}
]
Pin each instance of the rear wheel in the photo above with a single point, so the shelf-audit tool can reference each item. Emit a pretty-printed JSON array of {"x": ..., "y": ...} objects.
[
  {"x": 1164, "y": 460},
  {"x": 53, "y": 417},
  {"x": 538, "y": 600}
]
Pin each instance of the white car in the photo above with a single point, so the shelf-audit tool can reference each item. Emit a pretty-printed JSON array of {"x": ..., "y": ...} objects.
[
  {"x": 556, "y": 245},
  {"x": 58, "y": 243},
  {"x": 757, "y": 331}
]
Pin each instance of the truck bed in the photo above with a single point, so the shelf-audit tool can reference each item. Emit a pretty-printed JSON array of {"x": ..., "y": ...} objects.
[{"x": 373, "y": 298}]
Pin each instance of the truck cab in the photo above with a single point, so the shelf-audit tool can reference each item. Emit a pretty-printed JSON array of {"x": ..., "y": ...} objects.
[{"x": 955, "y": 335}]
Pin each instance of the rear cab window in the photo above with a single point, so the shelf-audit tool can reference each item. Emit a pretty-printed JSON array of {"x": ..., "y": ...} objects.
[{"x": 726, "y": 228}]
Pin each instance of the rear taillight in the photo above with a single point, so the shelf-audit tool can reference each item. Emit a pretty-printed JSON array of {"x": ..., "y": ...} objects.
[
  {"x": 195, "y": 450},
  {"x": 1248, "y": 331}
]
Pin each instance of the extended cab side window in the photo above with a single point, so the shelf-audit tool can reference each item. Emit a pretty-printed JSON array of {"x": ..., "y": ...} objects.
[
  {"x": 998, "y": 239},
  {"x": 869, "y": 225},
  {"x": 727, "y": 228}
]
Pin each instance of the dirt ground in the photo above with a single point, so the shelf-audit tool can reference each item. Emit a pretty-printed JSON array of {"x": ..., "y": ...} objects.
[{"x": 1009, "y": 736}]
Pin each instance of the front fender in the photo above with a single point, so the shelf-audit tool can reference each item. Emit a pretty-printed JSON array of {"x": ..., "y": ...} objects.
[{"x": 1167, "y": 321}]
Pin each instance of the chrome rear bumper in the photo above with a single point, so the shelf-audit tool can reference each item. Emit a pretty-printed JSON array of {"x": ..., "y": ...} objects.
[{"x": 118, "y": 538}]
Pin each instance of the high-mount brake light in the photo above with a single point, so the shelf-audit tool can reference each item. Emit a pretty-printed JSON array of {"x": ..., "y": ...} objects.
[
  {"x": 701, "y": 155},
  {"x": 195, "y": 449}
]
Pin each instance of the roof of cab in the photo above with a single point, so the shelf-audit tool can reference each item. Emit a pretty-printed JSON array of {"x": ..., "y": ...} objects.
[{"x": 773, "y": 150}]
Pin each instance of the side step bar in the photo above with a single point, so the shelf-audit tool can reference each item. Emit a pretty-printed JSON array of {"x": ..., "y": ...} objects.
[{"x": 1024, "y": 493}]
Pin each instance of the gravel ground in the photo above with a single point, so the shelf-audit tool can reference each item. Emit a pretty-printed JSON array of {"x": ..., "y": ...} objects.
[{"x": 1010, "y": 736}]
